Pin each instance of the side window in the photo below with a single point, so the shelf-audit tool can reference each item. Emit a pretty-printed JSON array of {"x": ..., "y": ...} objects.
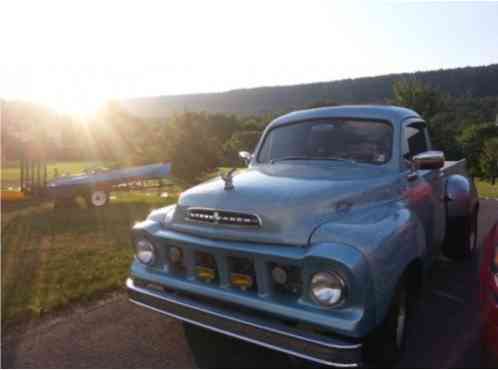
[{"x": 414, "y": 141}]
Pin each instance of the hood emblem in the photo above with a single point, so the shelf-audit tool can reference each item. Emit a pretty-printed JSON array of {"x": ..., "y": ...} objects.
[{"x": 228, "y": 178}]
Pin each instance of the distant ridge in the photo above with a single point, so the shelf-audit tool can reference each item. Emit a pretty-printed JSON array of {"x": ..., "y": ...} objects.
[{"x": 467, "y": 81}]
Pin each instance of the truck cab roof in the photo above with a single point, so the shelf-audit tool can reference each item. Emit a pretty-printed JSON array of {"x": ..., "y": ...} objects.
[{"x": 389, "y": 113}]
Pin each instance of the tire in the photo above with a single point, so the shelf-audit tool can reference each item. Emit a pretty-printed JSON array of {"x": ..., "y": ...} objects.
[
  {"x": 97, "y": 198},
  {"x": 461, "y": 238},
  {"x": 385, "y": 346},
  {"x": 209, "y": 349}
]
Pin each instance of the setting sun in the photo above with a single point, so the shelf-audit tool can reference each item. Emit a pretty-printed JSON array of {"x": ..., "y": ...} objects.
[{"x": 81, "y": 105}]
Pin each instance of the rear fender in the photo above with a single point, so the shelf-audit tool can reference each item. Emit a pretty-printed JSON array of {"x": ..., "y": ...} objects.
[{"x": 460, "y": 197}]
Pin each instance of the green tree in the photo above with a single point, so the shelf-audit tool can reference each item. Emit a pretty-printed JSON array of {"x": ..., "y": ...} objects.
[
  {"x": 192, "y": 147},
  {"x": 423, "y": 99},
  {"x": 472, "y": 140},
  {"x": 432, "y": 106},
  {"x": 242, "y": 140},
  {"x": 444, "y": 130},
  {"x": 489, "y": 159}
]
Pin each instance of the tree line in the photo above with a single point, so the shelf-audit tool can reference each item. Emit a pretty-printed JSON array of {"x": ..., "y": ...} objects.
[
  {"x": 468, "y": 82},
  {"x": 199, "y": 142}
]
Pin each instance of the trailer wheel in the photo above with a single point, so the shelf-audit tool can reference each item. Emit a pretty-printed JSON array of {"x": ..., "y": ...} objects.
[{"x": 98, "y": 198}]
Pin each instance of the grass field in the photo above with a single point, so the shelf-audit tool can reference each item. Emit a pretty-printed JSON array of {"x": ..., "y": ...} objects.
[
  {"x": 486, "y": 190},
  {"x": 52, "y": 257}
]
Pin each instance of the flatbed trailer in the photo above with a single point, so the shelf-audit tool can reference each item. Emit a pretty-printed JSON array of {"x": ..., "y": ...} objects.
[{"x": 96, "y": 186}]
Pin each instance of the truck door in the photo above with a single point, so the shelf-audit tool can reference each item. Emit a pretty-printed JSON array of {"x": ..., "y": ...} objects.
[{"x": 425, "y": 187}]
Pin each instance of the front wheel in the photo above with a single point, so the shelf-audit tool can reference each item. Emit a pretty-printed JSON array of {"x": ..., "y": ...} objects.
[
  {"x": 384, "y": 347},
  {"x": 210, "y": 349}
]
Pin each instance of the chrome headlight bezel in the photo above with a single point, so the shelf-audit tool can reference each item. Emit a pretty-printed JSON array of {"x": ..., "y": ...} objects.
[
  {"x": 328, "y": 289},
  {"x": 145, "y": 251},
  {"x": 170, "y": 212}
]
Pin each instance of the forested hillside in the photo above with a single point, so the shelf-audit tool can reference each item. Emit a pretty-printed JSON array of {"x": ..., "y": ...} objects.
[
  {"x": 469, "y": 83},
  {"x": 460, "y": 107}
]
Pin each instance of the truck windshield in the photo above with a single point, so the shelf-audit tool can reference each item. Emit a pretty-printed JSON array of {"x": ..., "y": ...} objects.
[{"x": 329, "y": 139}]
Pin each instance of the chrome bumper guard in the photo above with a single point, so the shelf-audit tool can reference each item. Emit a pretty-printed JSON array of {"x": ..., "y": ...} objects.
[{"x": 317, "y": 348}]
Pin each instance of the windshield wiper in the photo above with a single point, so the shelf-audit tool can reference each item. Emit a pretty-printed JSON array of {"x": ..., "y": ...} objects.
[
  {"x": 340, "y": 159},
  {"x": 296, "y": 157},
  {"x": 291, "y": 158}
]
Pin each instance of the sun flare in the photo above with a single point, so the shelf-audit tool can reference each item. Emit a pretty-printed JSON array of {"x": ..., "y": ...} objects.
[{"x": 80, "y": 105}]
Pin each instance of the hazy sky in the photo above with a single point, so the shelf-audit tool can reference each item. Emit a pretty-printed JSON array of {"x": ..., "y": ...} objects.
[{"x": 73, "y": 55}]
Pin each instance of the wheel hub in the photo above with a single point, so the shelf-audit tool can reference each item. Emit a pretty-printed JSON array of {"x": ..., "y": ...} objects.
[{"x": 98, "y": 198}]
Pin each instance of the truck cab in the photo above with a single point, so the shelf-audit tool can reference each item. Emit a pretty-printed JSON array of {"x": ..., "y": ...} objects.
[{"x": 319, "y": 247}]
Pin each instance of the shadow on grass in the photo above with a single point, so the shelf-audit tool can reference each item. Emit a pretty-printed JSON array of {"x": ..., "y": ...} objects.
[{"x": 53, "y": 257}]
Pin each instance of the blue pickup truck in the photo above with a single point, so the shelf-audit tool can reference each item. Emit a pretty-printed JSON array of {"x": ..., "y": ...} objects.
[{"x": 320, "y": 247}]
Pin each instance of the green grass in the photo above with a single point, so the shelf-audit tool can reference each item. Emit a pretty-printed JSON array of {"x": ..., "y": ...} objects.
[
  {"x": 486, "y": 189},
  {"x": 53, "y": 257}
]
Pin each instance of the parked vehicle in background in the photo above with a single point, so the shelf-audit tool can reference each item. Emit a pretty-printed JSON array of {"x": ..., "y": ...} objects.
[
  {"x": 319, "y": 249},
  {"x": 489, "y": 298}
]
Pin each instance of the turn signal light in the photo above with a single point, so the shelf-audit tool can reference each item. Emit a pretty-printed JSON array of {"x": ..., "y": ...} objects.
[
  {"x": 241, "y": 281},
  {"x": 205, "y": 273}
]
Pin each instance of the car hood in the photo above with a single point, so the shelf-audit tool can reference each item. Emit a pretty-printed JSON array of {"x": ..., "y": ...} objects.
[{"x": 291, "y": 200}]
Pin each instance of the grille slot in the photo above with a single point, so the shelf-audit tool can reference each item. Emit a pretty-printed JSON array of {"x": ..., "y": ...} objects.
[
  {"x": 243, "y": 266},
  {"x": 221, "y": 217},
  {"x": 206, "y": 263}
]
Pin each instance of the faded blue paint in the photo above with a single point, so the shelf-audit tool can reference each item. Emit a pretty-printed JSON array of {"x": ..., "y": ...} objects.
[
  {"x": 151, "y": 171},
  {"x": 366, "y": 222}
]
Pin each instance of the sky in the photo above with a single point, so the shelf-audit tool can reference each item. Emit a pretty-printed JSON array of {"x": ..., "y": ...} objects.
[{"x": 74, "y": 55}]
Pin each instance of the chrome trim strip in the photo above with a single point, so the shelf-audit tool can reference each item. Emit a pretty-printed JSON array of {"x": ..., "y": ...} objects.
[
  {"x": 266, "y": 345},
  {"x": 222, "y": 210},
  {"x": 130, "y": 285}
]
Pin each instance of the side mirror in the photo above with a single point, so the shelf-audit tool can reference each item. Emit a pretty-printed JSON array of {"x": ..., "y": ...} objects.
[
  {"x": 245, "y": 156},
  {"x": 430, "y": 160}
]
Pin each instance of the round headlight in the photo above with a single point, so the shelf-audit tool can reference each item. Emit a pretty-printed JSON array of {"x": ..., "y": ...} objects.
[
  {"x": 327, "y": 288},
  {"x": 144, "y": 251}
]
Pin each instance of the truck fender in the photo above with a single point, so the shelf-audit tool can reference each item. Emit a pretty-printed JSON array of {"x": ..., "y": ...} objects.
[
  {"x": 390, "y": 238},
  {"x": 460, "y": 198}
]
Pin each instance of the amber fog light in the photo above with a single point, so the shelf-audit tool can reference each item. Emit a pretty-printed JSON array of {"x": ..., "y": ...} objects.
[
  {"x": 327, "y": 288},
  {"x": 144, "y": 251}
]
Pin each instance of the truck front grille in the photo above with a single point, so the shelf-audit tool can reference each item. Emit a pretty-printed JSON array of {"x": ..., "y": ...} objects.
[{"x": 221, "y": 217}]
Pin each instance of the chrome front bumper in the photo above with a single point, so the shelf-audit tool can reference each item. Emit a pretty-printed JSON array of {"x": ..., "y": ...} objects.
[{"x": 267, "y": 333}]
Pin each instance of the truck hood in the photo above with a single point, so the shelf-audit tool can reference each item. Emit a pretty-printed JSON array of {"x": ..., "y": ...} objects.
[{"x": 291, "y": 200}]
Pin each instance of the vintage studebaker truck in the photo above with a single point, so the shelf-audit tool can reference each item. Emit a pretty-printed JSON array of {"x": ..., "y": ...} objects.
[{"x": 319, "y": 248}]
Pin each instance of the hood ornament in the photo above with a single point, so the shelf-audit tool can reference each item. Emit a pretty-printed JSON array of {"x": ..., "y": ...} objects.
[{"x": 228, "y": 178}]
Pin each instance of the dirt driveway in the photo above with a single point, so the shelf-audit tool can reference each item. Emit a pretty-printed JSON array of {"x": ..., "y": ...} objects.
[{"x": 116, "y": 334}]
